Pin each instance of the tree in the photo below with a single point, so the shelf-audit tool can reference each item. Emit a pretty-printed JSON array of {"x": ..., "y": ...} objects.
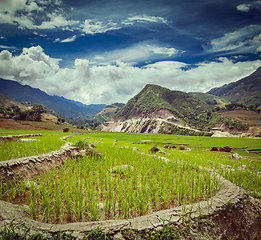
[{"x": 37, "y": 112}]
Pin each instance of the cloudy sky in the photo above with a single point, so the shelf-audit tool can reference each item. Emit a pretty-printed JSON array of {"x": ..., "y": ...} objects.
[{"x": 105, "y": 51}]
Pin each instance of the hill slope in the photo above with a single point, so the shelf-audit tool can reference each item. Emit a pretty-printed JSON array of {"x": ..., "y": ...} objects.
[
  {"x": 159, "y": 110},
  {"x": 67, "y": 108},
  {"x": 211, "y": 99},
  {"x": 245, "y": 91},
  {"x": 108, "y": 112},
  {"x": 8, "y": 102}
]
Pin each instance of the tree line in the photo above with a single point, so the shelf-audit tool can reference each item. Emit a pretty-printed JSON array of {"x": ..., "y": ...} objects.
[{"x": 14, "y": 112}]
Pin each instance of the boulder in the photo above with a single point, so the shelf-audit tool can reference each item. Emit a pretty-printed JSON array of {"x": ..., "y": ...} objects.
[
  {"x": 161, "y": 152},
  {"x": 182, "y": 147},
  {"x": 66, "y": 130},
  {"x": 154, "y": 149},
  {"x": 135, "y": 149},
  {"x": 92, "y": 145},
  {"x": 236, "y": 156},
  {"x": 167, "y": 146},
  {"x": 221, "y": 149}
]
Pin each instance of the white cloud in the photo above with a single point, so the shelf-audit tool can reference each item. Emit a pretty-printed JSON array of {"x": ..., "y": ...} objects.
[
  {"x": 93, "y": 26},
  {"x": 28, "y": 12},
  {"x": 164, "y": 50},
  {"x": 247, "y": 7},
  {"x": 145, "y": 18},
  {"x": 115, "y": 83},
  {"x": 8, "y": 47},
  {"x": 70, "y": 39},
  {"x": 243, "y": 7},
  {"x": 142, "y": 52},
  {"x": 245, "y": 39}
]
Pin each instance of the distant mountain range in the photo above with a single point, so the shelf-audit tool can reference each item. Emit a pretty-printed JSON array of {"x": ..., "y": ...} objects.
[
  {"x": 151, "y": 101},
  {"x": 246, "y": 91},
  {"x": 67, "y": 108}
]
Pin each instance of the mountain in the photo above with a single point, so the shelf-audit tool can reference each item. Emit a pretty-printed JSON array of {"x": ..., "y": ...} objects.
[
  {"x": 158, "y": 109},
  {"x": 211, "y": 99},
  {"x": 67, "y": 108},
  {"x": 246, "y": 91},
  {"x": 154, "y": 98}
]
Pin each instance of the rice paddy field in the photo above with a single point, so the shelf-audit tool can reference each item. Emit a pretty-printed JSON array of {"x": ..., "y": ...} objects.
[{"x": 126, "y": 183}]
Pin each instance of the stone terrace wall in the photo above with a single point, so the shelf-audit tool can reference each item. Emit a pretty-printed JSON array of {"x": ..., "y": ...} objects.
[
  {"x": 27, "y": 167},
  {"x": 14, "y": 137}
]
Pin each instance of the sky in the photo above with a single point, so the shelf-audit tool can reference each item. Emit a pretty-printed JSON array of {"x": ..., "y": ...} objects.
[{"x": 106, "y": 51}]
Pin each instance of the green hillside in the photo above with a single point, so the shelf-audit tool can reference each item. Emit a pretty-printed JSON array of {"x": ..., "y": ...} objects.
[
  {"x": 108, "y": 112},
  {"x": 211, "y": 99},
  {"x": 245, "y": 91},
  {"x": 190, "y": 109}
]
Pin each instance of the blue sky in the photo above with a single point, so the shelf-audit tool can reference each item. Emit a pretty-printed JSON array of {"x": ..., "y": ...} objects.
[{"x": 107, "y": 51}]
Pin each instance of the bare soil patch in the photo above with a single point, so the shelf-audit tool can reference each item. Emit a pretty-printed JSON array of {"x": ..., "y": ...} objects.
[{"x": 245, "y": 116}]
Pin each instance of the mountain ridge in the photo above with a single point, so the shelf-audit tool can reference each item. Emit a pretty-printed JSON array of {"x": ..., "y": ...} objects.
[
  {"x": 67, "y": 108},
  {"x": 246, "y": 90}
]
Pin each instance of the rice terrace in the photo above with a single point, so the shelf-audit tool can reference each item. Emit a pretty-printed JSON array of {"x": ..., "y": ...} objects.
[{"x": 113, "y": 186}]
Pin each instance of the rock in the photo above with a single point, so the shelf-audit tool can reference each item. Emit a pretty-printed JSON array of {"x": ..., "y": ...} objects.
[
  {"x": 29, "y": 140},
  {"x": 115, "y": 143},
  {"x": 154, "y": 149},
  {"x": 173, "y": 147},
  {"x": 135, "y": 149},
  {"x": 161, "y": 152},
  {"x": 182, "y": 147},
  {"x": 115, "y": 140},
  {"x": 118, "y": 236},
  {"x": 221, "y": 149},
  {"x": 167, "y": 146},
  {"x": 187, "y": 149},
  {"x": 92, "y": 145},
  {"x": 236, "y": 156},
  {"x": 66, "y": 130},
  {"x": 93, "y": 153},
  {"x": 101, "y": 139}
]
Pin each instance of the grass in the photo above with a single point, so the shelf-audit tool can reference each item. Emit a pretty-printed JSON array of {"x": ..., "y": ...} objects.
[
  {"x": 90, "y": 189},
  {"x": 19, "y": 149}
]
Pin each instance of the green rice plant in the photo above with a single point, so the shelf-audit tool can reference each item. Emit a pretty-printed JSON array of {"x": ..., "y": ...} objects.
[
  {"x": 18, "y": 149},
  {"x": 57, "y": 200},
  {"x": 33, "y": 201}
]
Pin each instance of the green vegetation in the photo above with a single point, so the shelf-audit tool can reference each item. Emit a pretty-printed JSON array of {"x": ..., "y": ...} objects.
[
  {"x": 88, "y": 189},
  {"x": 15, "y": 112},
  {"x": 124, "y": 184},
  {"x": 19, "y": 149},
  {"x": 210, "y": 99}
]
